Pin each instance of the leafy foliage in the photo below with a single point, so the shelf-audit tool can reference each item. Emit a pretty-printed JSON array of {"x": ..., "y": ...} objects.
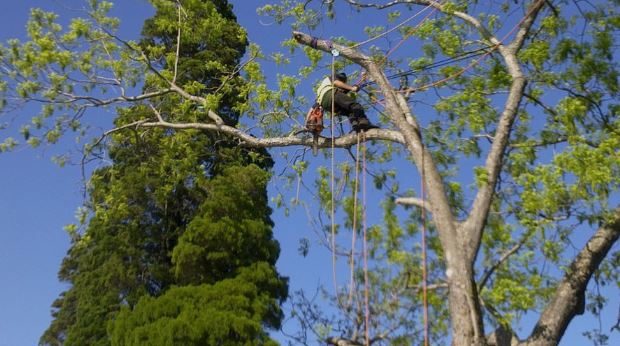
[
  {"x": 559, "y": 174},
  {"x": 549, "y": 98},
  {"x": 229, "y": 312},
  {"x": 164, "y": 195}
]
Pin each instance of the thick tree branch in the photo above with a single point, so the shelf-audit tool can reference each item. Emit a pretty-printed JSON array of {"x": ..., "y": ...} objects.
[
  {"x": 412, "y": 201},
  {"x": 526, "y": 25},
  {"x": 502, "y": 336},
  {"x": 569, "y": 298},
  {"x": 397, "y": 109},
  {"x": 476, "y": 220},
  {"x": 337, "y": 341},
  {"x": 484, "y": 32},
  {"x": 327, "y": 46},
  {"x": 248, "y": 140},
  {"x": 462, "y": 289}
]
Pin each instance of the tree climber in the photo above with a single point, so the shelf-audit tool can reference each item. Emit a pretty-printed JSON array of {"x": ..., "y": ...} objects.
[{"x": 343, "y": 103}]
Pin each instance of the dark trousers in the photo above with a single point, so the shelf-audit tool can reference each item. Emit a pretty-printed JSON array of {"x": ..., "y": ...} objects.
[{"x": 345, "y": 105}]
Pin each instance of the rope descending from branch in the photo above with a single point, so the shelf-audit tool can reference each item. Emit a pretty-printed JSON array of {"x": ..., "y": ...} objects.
[{"x": 365, "y": 249}]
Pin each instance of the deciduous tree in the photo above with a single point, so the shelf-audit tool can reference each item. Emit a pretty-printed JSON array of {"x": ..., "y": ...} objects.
[{"x": 533, "y": 120}]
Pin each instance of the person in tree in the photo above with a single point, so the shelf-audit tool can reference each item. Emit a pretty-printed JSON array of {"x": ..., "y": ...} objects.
[{"x": 343, "y": 103}]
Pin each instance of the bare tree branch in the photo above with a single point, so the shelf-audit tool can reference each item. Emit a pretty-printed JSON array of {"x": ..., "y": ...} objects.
[
  {"x": 378, "y": 6},
  {"x": 431, "y": 287},
  {"x": 484, "y": 32},
  {"x": 476, "y": 220},
  {"x": 569, "y": 298},
  {"x": 462, "y": 289},
  {"x": 337, "y": 341},
  {"x": 96, "y": 102},
  {"x": 418, "y": 202},
  {"x": 178, "y": 51},
  {"x": 500, "y": 261},
  {"x": 249, "y": 140},
  {"x": 526, "y": 25},
  {"x": 173, "y": 86}
]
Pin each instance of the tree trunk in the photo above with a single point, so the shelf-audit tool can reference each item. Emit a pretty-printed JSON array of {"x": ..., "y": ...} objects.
[{"x": 465, "y": 311}]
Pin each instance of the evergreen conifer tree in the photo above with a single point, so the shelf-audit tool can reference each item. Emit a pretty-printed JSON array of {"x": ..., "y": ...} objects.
[{"x": 178, "y": 247}]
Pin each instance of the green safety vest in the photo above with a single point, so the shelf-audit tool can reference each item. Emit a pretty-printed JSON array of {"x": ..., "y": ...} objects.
[{"x": 325, "y": 87}]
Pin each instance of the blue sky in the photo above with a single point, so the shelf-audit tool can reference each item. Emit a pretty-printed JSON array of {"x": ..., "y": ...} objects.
[{"x": 37, "y": 198}]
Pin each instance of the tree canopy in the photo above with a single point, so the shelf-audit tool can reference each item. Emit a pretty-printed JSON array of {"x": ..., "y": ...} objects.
[
  {"x": 506, "y": 111},
  {"x": 178, "y": 222}
]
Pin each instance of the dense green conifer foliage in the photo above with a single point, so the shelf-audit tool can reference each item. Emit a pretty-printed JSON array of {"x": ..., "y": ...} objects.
[{"x": 178, "y": 232}]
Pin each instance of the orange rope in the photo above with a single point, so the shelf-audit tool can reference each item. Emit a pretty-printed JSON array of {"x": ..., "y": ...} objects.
[
  {"x": 365, "y": 248},
  {"x": 475, "y": 62},
  {"x": 406, "y": 36},
  {"x": 463, "y": 70}
]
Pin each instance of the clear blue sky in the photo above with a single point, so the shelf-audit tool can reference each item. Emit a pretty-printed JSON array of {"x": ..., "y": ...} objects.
[{"x": 37, "y": 198}]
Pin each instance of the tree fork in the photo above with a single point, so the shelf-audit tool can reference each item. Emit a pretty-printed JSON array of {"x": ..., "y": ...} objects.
[{"x": 467, "y": 327}]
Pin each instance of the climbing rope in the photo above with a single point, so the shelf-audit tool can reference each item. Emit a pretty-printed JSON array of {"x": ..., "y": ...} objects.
[
  {"x": 484, "y": 52},
  {"x": 365, "y": 247},
  {"x": 447, "y": 61},
  {"x": 424, "y": 260},
  {"x": 390, "y": 30},
  {"x": 407, "y": 35},
  {"x": 477, "y": 61},
  {"x": 393, "y": 49},
  {"x": 353, "y": 236},
  {"x": 332, "y": 182}
]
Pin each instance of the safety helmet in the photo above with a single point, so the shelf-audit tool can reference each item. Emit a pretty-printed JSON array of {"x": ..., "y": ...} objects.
[{"x": 341, "y": 76}]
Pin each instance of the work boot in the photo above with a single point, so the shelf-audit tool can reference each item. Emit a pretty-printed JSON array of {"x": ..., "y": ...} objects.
[
  {"x": 354, "y": 124},
  {"x": 363, "y": 125}
]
